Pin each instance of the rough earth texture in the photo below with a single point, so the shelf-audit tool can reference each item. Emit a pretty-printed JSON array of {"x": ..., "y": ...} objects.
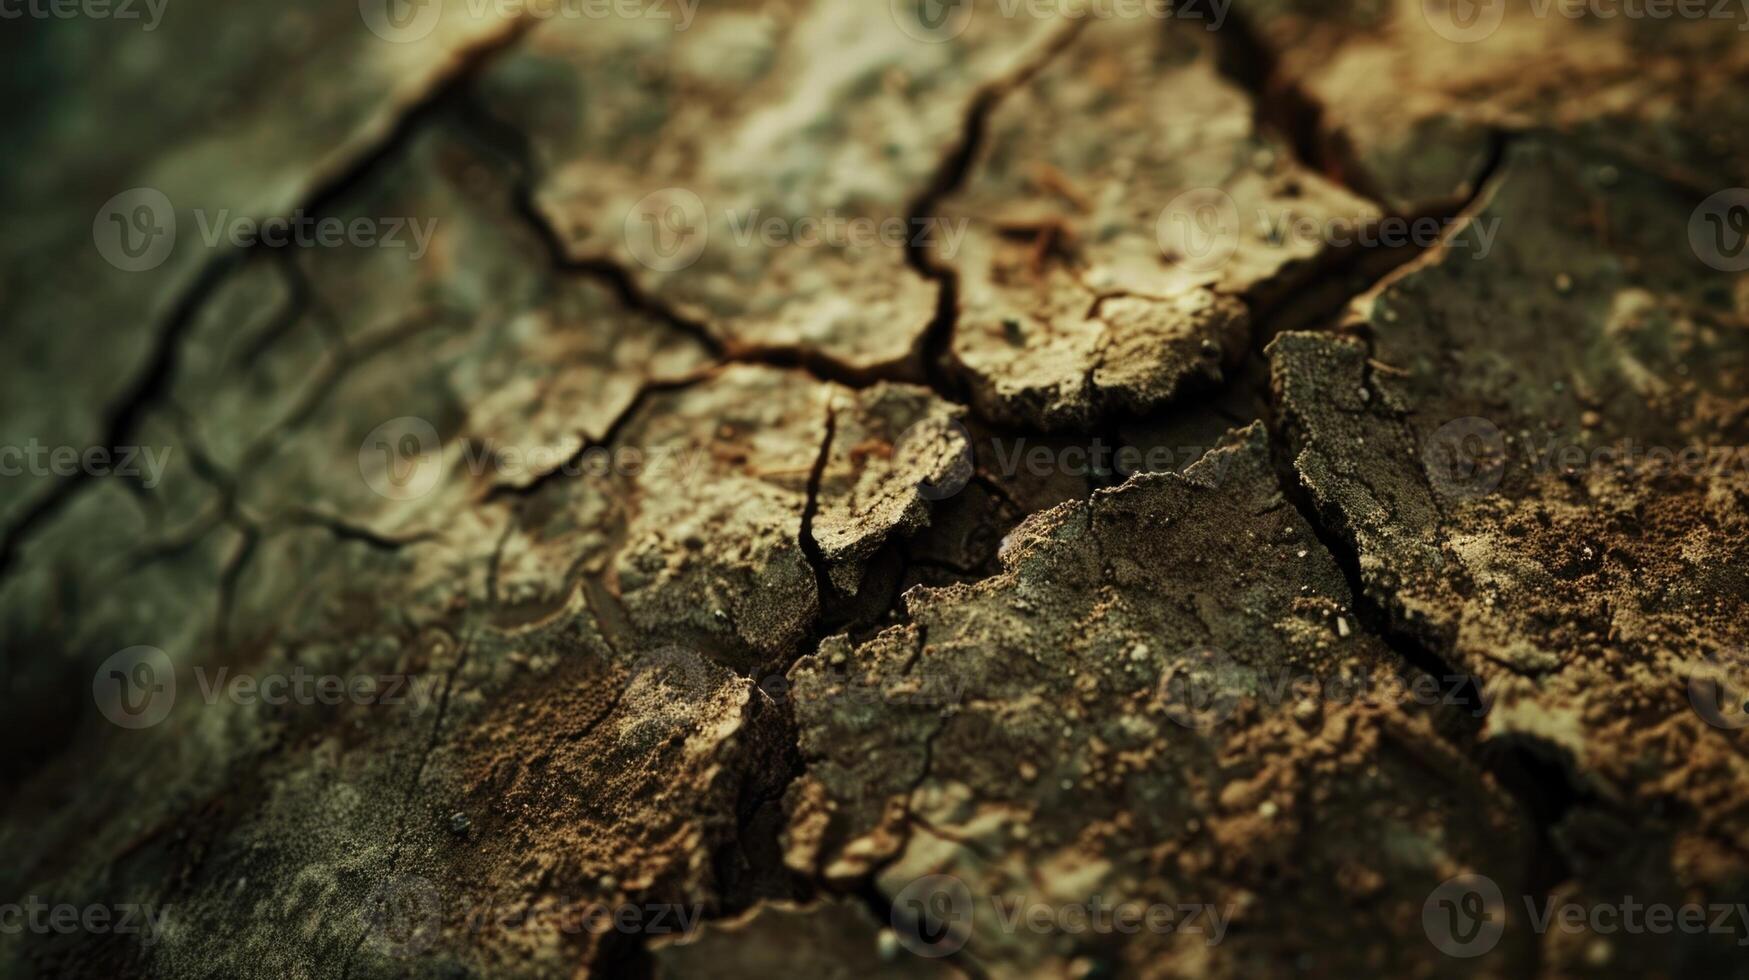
[{"x": 734, "y": 600}]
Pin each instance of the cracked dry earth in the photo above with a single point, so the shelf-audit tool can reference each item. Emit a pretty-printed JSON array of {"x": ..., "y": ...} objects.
[{"x": 816, "y": 631}]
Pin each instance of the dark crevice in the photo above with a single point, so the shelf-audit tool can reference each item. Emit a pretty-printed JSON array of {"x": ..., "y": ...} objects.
[
  {"x": 229, "y": 580},
  {"x": 352, "y": 532},
  {"x": 1533, "y": 775},
  {"x": 935, "y": 346},
  {"x": 516, "y": 149},
  {"x": 1541, "y": 785},
  {"x": 1280, "y": 107},
  {"x": 412, "y": 791},
  {"x": 514, "y": 146},
  {"x": 156, "y": 376},
  {"x": 1349, "y": 273},
  {"x": 609, "y": 438},
  {"x": 883, "y": 911},
  {"x": 927, "y": 363},
  {"x": 811, "y": 550},
  {"x": 124, "y": 417}
]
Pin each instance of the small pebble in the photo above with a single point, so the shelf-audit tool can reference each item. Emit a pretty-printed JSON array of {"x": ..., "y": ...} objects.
[
  {"x": 1563, "y": 283},
  {"x": 1267, "y": 809},
  {"x": 459, "y": 824}
]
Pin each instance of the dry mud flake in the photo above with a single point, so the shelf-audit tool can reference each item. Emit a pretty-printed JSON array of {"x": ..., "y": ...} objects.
[
  {"x": 1535, "y": 453},
  {"x": 253, "y": 108},
  {"x": 1121, "y": 211},
  {"x": 757, "y": 169},
  {"x": 1410, "y": 94},
  {"x": 1113, "y": 721},
  {"x": 740, "y": 475},
  {"x": 409, "y": 382},
  {"x": 216, "y": 792},
  {"x": 644, "y": 784},
  {"x": 434, "y": 834}
]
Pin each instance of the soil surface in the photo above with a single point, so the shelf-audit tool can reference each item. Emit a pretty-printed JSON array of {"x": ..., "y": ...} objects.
[{"x": 877, "y": 490}]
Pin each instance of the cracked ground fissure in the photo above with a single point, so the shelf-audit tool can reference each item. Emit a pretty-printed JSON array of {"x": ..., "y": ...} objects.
[
  {"x": 1544, "y": 790},
  {"x": 454, "y": 97}
]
